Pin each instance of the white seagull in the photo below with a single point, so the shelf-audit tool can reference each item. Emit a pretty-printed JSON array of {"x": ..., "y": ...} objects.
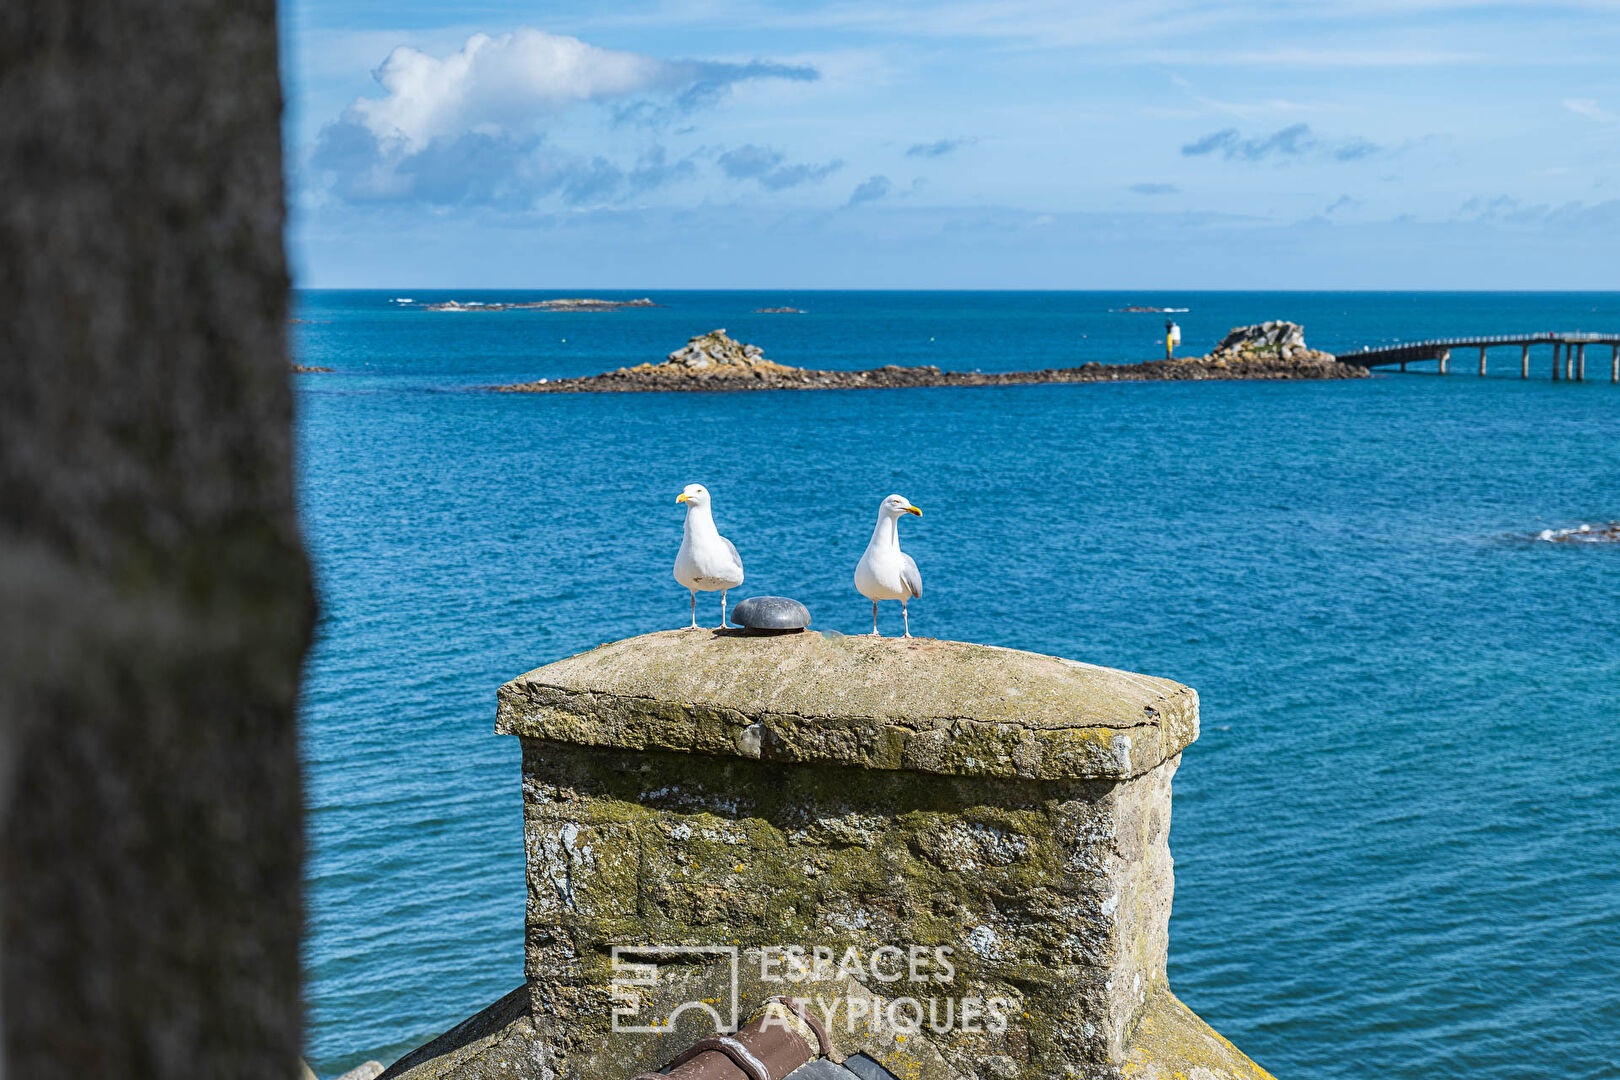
[
  {"x": 707, "y": 560},
  {"x": 885, "y": 572}
]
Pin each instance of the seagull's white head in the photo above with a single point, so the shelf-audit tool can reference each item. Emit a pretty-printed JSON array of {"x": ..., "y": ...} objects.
[
  {"x": 895, "y": 505},
  {"x": 694, "y": 495}
]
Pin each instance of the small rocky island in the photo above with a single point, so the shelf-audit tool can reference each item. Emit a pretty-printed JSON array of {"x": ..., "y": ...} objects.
[
  {"x": 583, "y": 303},
  {"x": 1583, "y": 534},
  {"x": 717, "y": 362},
  {"x": 779, "y": 311}
]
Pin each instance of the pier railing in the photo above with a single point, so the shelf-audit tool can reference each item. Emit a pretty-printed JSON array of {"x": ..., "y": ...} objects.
[{"x": 1568, "y": 352}]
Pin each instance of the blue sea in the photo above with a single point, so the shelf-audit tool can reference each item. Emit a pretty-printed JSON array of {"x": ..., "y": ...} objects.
[{"x": 1397, "y": 842}]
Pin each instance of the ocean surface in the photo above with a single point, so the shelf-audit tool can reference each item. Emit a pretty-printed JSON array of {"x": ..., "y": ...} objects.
[{"x": 1397, "y": 842}]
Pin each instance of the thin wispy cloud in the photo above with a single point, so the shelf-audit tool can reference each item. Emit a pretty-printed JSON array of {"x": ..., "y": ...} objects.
[
  {"x": 1313, "y": 58},
  {"x": 1155, "y": 189},
  {"x": 937, "y": 148},
  {"x": 1140, "y": 31},
  {"x": 768, "y": 168},
  {"x": 1590, "y": 109},
  {"x": 869, "y": 190},
  {"x": 1293, "y": 141}
]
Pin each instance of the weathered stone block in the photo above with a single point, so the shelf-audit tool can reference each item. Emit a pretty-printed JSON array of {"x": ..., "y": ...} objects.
[{"x": 1004, "y": 810}]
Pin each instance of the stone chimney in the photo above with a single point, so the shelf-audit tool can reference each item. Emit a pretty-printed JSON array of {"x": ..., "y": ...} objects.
[{"x": 984, "y": 831}]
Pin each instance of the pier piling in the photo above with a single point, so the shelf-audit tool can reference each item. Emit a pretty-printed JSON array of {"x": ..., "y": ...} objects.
[
  {"x": 1614, "y": 366},
  {"x": 1482, "y": 361},
  {"x": 1524, "y": 361},
  {"x": 1557, "y": 359},
  {"x": 1580, "y": 362},
  {"x": 1445, "y": 362}
]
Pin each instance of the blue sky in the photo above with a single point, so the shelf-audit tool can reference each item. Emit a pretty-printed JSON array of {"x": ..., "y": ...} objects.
[{"x": 968, "y": 144}]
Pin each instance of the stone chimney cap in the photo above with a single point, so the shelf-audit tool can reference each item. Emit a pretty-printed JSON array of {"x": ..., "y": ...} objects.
[{"x": 921, "y": 705}]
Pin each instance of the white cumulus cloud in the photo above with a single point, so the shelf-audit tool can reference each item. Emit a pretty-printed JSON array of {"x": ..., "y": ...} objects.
[
  {"x": 471, "y": 127},
  {"x": 498, "y": 82}
]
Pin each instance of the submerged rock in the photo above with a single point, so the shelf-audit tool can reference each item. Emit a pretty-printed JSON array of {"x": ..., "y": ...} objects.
[{"x": 1583, "y": 534}]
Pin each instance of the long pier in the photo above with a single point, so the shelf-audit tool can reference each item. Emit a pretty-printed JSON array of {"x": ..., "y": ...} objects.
[{"x": 1568, "y": 353}]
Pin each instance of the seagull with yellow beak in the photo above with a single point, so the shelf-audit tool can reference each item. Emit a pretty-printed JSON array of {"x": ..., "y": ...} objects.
[
  {"x": 707, "y": 561},
  {"x": 885, "y": 572}
]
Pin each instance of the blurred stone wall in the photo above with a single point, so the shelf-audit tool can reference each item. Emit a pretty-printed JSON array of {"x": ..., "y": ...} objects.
[{"x": 154, "y": 598}]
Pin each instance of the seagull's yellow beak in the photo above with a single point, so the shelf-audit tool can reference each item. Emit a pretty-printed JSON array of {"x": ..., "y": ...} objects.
[
  {"x": 913, "y": 510},
  {"x": 682, "y": 497}
]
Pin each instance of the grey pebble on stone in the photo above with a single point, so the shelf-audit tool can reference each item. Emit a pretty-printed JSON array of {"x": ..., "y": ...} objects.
[{"x": 770, "y": 613}]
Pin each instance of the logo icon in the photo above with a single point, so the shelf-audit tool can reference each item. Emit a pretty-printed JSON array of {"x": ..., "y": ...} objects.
[{"x": 635, "y": 976}]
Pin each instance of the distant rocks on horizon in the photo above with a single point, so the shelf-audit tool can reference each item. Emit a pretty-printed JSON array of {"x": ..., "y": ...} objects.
[
  {"x": 584, "y": 303},
  {"x": 309, "y": 369},
  {"x": 780, "y": 311}
]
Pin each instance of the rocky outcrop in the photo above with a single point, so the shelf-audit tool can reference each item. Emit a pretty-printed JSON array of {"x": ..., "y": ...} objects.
[
  {"x": 716, "y": 355},
  {"x": 716, "y": 362},
  {"x": 779, "y": 311},
  {"x": 1272, "y": 336},
  {"x": 1269, "y": 350},
  {"x": 1583, "y": 534}
]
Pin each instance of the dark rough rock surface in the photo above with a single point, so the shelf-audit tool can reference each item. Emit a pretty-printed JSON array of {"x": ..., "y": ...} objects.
[
  {"x": 154, "y": 599},
  {"x": 565, "y": 304},
  {"x": 771, "y": 613},
  {"x": 498, "y": 1043},
  {"x": 716, "y": 362}
]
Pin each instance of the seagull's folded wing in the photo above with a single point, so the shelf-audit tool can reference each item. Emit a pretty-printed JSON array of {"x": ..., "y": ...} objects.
[
  {"x": 911, "y": 575},
  {"x": 733, "y": 549}
]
